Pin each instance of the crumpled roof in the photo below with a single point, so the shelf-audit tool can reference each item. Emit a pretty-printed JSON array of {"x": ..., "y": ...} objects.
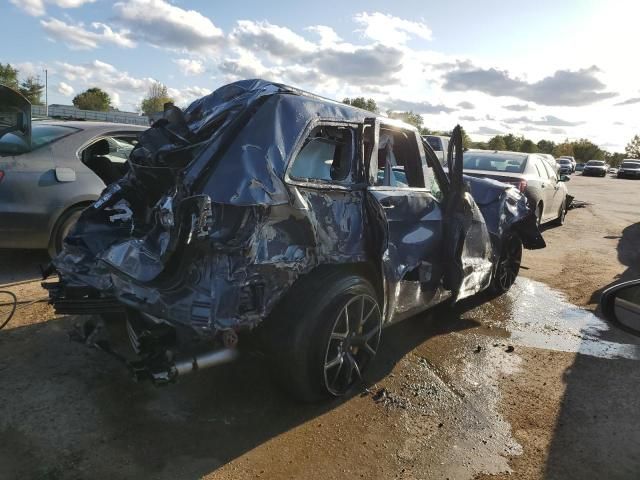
[{"x": 250, "y": 129}]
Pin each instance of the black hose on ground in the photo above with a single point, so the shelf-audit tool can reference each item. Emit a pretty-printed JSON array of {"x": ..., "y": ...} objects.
[{"x": 13, "y": 307}]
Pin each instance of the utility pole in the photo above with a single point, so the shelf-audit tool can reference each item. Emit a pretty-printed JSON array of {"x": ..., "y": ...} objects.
[{"x": 46, "y": 93}]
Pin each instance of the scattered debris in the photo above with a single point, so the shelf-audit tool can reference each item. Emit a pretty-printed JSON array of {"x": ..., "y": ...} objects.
[
  {"x": 478, "y": 349},
  {"x": 509, "y": 349}
]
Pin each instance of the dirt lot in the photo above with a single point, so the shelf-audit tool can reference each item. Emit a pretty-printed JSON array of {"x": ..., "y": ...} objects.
[{"x": 528, "y": 385}]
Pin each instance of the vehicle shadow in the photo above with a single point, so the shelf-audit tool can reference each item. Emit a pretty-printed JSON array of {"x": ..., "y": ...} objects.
[
  {"x": 628, "y": 250},
  {"x": 18, "y": 265},
  {"x": 68, "y": 408},
  {"x": 597, "y": 432}
]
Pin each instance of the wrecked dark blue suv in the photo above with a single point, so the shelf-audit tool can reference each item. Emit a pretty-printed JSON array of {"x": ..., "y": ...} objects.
[{"x": 316, "y": 224}]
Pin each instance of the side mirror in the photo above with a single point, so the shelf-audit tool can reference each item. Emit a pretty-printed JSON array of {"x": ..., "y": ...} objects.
[
  {"x": 621, "y": 304},
  {"x": 564, "y": 178}
]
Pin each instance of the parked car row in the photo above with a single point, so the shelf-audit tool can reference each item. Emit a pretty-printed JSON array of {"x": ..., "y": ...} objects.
[{"x": 532, "y": 174}]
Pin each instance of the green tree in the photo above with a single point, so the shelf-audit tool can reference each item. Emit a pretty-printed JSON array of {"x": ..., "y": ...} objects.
[
  {"x": 546, "y": 146},
  {"x": 411, "y": 118},
  {"x": 93, "y": 99},
  {"x": 563, "y": 149},
  {"x": 9, "y": 76},
  {"x": 585, "y": 150},
  {"x": 512, "y": 142},
  {"x": 156, "y": 97},
  {"x": 364, "y": 103},
  {"x": 528, "y": 146},
  {"x": 614, "y": 159},
  {"x": 497, "y": 143},
  {"x": 32, "y": 89},
  {"x": 633, "y": 147},
  {"x": 467, "y": 143}
]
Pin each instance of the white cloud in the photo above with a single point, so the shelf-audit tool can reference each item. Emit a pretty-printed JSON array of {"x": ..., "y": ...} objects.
[
  {"x": 327, "y": 35},
  {"x": 189, "y": 66},
  {"x": 76, "y": 37},
  {"x": 272, "y": 39},
  {"x": 184, "y": 96},
  {"x": 37, "y": 7},
  {"x": 65, "y": 89},
  {"x": 165, "y": 25},
  {"x": 125, "y": 90},
  {"x": 389, "y": 29}
]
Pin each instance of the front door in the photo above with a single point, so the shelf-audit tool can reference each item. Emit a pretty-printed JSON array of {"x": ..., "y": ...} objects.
[{"x": 408, "y": 201}]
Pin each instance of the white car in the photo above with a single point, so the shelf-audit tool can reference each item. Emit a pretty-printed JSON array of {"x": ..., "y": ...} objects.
[
  {"x": 572, "y": 160},
  {"x": 440, "y": 146}
]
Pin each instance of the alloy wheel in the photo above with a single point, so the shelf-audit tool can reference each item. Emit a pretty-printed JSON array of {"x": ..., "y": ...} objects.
[
  {"x": 510, "y": 263},
  {"x": 354, "y": 341}
]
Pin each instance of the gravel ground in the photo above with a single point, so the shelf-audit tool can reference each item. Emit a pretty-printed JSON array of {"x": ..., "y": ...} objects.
[{"x": 528, "y": 385}]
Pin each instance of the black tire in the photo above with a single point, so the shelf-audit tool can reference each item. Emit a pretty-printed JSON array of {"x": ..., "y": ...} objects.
[
  {"x": 539, "y": 210},
  {"x": 562, "y": 213},
  {"x": 64, "y": 224},
  {"x": 305, "y": 334},
  {"x": 508, "y": 266}
]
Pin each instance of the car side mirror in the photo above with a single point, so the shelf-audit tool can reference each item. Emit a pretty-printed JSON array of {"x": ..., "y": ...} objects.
[
  {"x": 564, "y": 178},
  {"x": 621, "y": 304}
]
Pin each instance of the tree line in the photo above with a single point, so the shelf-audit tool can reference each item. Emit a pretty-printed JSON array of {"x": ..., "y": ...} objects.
[
  {"x": 93, "y": 98},
  {"x": 582, "y": 150},
  {"x": 30, "y": 87}
]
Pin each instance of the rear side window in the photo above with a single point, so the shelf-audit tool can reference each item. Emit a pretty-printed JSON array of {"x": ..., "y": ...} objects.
[
  {"x": 326, "y": 156},
  {"x": 41, "y": 135},
  {"x": 435, "y": 143}
]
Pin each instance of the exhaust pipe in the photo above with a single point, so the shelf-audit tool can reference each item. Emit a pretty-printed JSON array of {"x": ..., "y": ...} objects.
[{"x": 204, "y": 360}]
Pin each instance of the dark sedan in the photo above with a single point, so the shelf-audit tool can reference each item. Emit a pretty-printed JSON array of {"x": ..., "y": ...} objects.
[
  {"x": 532, "y": 175},
  {"x": 595, "y": 168},
  {"x": 629, "y": 169},
  {"x": 51, "y": 170}
]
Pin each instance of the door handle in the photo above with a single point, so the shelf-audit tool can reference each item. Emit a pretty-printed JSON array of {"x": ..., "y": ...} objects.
[{"x": 386, "y": 203}]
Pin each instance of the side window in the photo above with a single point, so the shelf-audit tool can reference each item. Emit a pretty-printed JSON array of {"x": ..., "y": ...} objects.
[
  {"x": 550, "y": 173},
  {"x": 542, "y": 173},
  {"x": 327, "y": 155},
  {"x": 400, "y": 163},
  {"x": 120, "y": 148}
]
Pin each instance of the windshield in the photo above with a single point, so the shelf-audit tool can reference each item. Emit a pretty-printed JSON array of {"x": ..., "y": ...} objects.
[
  {"x": 564, "y": 161},
  {"x": 630, "y": 164},
  {"x": 494, "y": 162},
  {"x": 41, "y": 134},
  {"x": 596, "y": 163}
]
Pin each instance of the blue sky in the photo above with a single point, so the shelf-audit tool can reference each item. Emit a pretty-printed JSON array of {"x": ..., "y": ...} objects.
[{"x": 545, "y": 69}]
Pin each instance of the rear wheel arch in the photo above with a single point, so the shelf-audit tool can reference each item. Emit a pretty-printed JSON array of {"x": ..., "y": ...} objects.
[
  {"x": 294, "y": 333},
  {"x": 53, "y": 243}
]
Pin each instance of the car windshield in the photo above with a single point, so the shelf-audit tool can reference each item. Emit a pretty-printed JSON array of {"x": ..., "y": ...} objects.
[
  {"x": 630, "y": 164},
  {"x": 564, "y": 161},
  {"x": 595, "y": 163},
  {"x": 494, "y": 162},
  {"x": 41, "y": 134}
]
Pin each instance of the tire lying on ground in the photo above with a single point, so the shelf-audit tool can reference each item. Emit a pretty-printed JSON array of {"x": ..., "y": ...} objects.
[{"x": 322, "y": 337}]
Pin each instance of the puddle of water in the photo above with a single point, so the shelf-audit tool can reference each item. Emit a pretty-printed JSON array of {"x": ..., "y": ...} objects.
[{"x": 538, "y": 316}]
